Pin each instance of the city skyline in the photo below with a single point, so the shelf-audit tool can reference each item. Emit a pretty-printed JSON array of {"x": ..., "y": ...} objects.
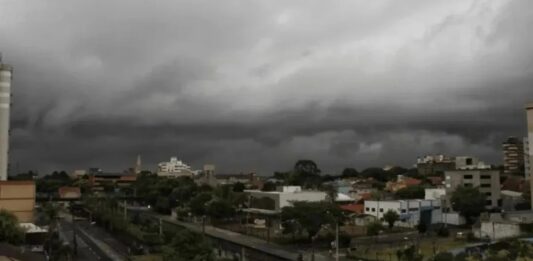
[{"x": 97, "y": 83}]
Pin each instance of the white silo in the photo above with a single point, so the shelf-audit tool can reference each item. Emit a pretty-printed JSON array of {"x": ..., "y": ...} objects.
[{"x": 6, "y": 72}]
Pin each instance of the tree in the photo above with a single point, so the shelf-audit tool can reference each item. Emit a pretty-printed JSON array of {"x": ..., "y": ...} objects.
[
  {"x": 269, "y": 186},
  {"x": 187, "y": 246},
  {"x": 238, "y": 187},
  {"x": 220, "y": 210},
  {"x": 9, "y": 229},
  {"x": 469, "y": 202},
  {"x": 409, "y": 254},
  {"x": 307, "y": 167},
  {"x": 311, "y": 216},
  {"x": 391, "y": 217},
  {"x": 411, "y": 192},
  {"x": 377, "y": 173},
  {"x": 373, "y": 228},
  {"x": 349, "y": 173},
  {"x": 198, "y": 204},
  {"x": 305, "y": 173},
  {"x": 443, "y": 256},
  {"x": 331, "y": 192}
]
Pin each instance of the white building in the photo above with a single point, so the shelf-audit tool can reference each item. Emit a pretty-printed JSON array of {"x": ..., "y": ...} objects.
[
  {"x": 6, "y": 73},
  {"x": 467, "y": 162},
  {"x": 284, "y": 196},
  {"x": 411, "y": 212},
  {"x": 174, "y": 168},
  {"x": 434, "y": 193}
]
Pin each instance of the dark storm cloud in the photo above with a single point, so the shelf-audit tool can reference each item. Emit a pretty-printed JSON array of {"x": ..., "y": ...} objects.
[{"x": 256, "y": 85}]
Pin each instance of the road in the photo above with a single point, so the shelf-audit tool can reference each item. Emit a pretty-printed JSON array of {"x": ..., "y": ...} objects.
[
  {"x": 94, "y": 243},
  {"x": 244, "y": 240},
  {"x": 85, "y": 252}
]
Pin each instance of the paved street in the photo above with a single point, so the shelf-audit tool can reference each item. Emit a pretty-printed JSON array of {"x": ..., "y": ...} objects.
[
  {"x": 248, "y": 241},
  {"x": 93, "y": 242},
  {"x": 85, "y": 252}
]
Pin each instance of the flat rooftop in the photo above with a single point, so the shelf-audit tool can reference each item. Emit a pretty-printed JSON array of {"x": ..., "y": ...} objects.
[{"x": 529, "y": 106}]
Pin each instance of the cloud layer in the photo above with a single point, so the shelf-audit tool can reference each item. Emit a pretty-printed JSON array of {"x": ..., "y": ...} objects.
[{"x": 256, "y": 85}]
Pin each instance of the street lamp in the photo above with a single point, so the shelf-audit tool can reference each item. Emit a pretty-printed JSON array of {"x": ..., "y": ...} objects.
[{"x": 336, "y": 237}]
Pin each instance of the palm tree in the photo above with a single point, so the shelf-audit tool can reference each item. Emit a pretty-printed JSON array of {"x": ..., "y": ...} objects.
[{"x": 51, "y": 213}]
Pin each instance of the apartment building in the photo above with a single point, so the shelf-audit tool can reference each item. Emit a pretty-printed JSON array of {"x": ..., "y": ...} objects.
[
  {"x": 527, "y": 163},
  {"x": 513, "y": 156},
  {"x": 488, "y": 182},
  {"x": 18, "y": 197}
]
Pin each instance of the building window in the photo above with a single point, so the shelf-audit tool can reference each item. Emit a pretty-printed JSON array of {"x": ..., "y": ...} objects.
[
  {"x": 380, "y": 210},
  {"x": 485, "y": 177},
  {"x": 488, "y": 202},
  {"x": 488, "y": 194},
  {"x": 468, "y": 185},
  {"x": 403, "y": 210},
  {"x": 436, "y": 207},
  {"x": 467, "y": 176},
  {"x": 413, "y": 209},
  {"x": 485, "y": 185},
  {"x": 367, "y": 209},
  {"x": 373, "y": 209}
]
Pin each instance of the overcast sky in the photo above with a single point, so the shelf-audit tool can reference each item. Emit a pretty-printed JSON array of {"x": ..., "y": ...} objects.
[{"x": 256, "y": 85}]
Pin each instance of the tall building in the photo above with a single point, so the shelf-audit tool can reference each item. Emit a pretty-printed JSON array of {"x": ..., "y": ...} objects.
[
  {"x": 488, "y": 182},
  {"x": 6, "y": 72},
  {"x": 527, "y": 163},
  {"x": 138, "y": 165},
  {"x": 513, "y": 156},
  {"x": 529, "y": 110}
]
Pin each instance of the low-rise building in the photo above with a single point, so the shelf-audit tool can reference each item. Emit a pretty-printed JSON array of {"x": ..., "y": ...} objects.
[
  {"x": 248, "y": 179},
  {"x": 469, "y": 162},
  {"x": 434, "y": 165},
  {"x": 174, "y": 168},
  {"x": 18, "y": 197},
  {"x": 98, "y": 179},
  {"x": 401, "y": 183},
  {"x": 434, "y": 193},
  {"x": 411, "y": 212},
  {"x": 488, "y": 182},
  {"x": 69, "y": 192}
]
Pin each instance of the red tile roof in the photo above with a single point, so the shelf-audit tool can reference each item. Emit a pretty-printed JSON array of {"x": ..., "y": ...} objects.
[
  {"x": 355, "y": 208},
  {"x": 412, "y": 181}
]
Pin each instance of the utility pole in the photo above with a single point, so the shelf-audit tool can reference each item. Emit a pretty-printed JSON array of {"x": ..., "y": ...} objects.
[
  {"x": 337, "y": 240},
  {"x": 125, "y": 211},
  {"x": 160, "y": 227}
]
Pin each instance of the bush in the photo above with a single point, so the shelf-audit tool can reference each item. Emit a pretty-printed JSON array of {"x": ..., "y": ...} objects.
[
  {"x": 470, "y": 236},
  {"x": 443, "y": 256},
  {"x": 443, "y": 232},
  {"x": 373, "y": 228}
]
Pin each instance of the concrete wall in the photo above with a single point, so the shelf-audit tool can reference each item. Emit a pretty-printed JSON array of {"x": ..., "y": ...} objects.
[
  {"x": 453, "y": 218},
  {"x": 529, "y": 109},
  {"x": 497, "y": 230},
  {"x": 18, "y": 197},
  {"x": 434, "y": 193},
  {"x": 5, "y": 104},
  {"x": 491, "y": 185}
]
